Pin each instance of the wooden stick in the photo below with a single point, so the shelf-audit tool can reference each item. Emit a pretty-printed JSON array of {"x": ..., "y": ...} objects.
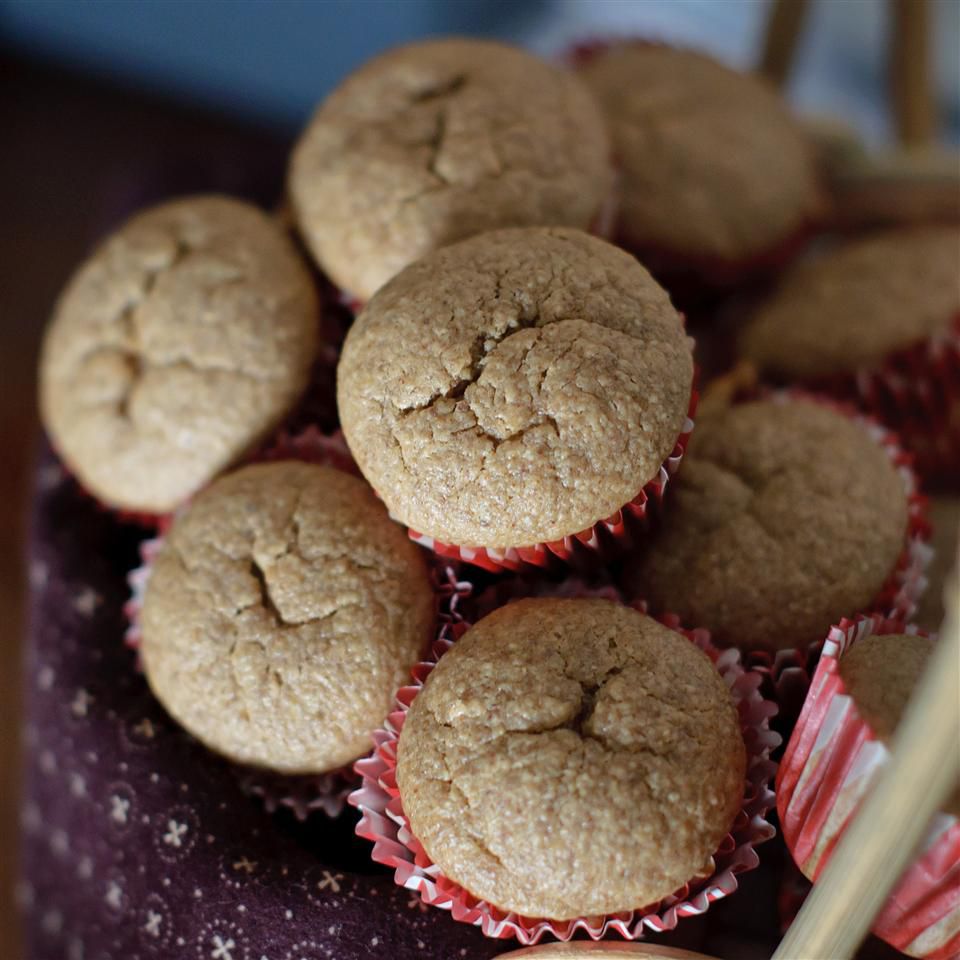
[
  {"x": 883, "y": 837},
  {"x": 780, "y": 40},
  {"x": 897, "y": 188},
  {"x": 913, "y": 103},
  {"x": 720, "y": 392}
]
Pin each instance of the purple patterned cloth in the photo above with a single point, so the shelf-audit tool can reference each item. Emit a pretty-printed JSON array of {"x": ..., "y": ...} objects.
[{"x": 138, "y": 842}]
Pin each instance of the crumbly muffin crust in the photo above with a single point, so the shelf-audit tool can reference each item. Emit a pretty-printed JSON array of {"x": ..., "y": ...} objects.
[
  {"x": 514, "y": 388},
  {"x": 712, "y": 166},
  {"x": 881, "y": 673},
  {"x": 571, "y": 757},
  {"x": 436, "y": 141},
  {"x": 282, "y": 614},
  {"x": 785, "y": 518},
  {"x": 853, "y": 306},
  {"x": 177, "y": 346}
]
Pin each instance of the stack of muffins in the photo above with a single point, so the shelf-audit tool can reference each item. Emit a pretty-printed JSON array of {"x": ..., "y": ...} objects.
[{"x": 517, "y": 394}]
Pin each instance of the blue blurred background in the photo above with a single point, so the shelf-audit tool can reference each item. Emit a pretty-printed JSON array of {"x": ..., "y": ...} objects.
[{"x": 271, "y": 60}]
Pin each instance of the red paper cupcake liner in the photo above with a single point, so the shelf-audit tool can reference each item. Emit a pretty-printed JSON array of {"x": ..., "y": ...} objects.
[
  {"x": 915, "y": 392},
  {"x": 383, "y": 821},
  {"x": 502, "y": 592},
  {"x": 301, "y": 793},
  {"x": 312, "y": 446},
  {"x": 831, "y": 762},
  {"x": 604, "y": 539}
]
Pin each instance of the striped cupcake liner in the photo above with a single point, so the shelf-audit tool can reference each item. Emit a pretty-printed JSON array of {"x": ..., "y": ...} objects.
[
  {"x": 830, "y": 764},
  {"x": 384, "y": 823},
  {"x": 604, "y": 540},
  {"x": 303, "y": 794}
]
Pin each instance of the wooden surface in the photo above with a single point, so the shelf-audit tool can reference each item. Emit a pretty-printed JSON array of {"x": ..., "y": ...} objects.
[
  {"x": 911, "y": 69},
  {"x": 781, "y": 39},
  {"x": 76, "y": 156}
]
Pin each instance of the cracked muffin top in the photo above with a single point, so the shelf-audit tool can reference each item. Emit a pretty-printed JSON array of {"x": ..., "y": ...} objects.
[
  {"x": 175, "y": 348},
  {"x": 854, "y": 306},
  {"x": 571, "y": 757},
  {"x": 785, "y": 517},
  {"x": 881, "y": 673},
  {"x": 436, "y": 141},
  {"x": 712, "y": 165},
  {"x": 514, "y": 388},
  {"x": 282, "y": 614}
]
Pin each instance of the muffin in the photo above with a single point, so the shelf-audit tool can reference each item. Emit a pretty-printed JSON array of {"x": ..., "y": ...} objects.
[
  {"x": 281, "y": 615},
  {"x": 439, "y": 140},
  {"x": 571, "y": 758},
  {"x": 182, "y": 341},
  {"x": 786, "y": 516},
  {"x": 136, "y": 841},
  {"x": 860, "y": 692},
  {"x": 716, "y": 177},
  {"x": 876, "y": 320},
  {"x": 515, "y": 388},
  {"x": 853, "y": 307}
]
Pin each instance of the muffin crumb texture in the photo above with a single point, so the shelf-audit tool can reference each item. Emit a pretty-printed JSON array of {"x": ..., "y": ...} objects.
[
  {"x": 851, "y": 307},
  {"x": 515, "y": 388},
  {"x": 571, "y": 758},
  {"x": 785, "y": 518},
  {"x": 712, "y": 165},
  {"x": 881, "y": 674},
  {"x": 282, "y": 614},
  {"x": 176, "y": 347},
  {"x": 437, "y": 141}
]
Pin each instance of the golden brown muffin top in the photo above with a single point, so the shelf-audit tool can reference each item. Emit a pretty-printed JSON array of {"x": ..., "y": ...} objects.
[
  {"x": 175, "y": 348},
  {"x": 514, "y": 388},
  {"x": 281, "y": 616},
  {"x": 881, "y": 673},
  {"x": 853, "y": 306},
  {"x": 439, "y": 140},
  {"x": 570, "y": 758},
  {"x": 785, "y": 517},
  {"x": 712, "y": 165}
]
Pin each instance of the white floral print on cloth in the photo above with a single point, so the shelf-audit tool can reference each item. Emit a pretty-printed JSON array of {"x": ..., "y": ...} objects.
[{"x": 138, "y": 843}]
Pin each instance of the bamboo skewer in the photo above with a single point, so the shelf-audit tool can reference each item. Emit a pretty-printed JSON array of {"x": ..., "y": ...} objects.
[
  {"x": 780, "y": 41},
  {"x": 913, "y": 104},
  {"x": 924, "y": 765}
]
